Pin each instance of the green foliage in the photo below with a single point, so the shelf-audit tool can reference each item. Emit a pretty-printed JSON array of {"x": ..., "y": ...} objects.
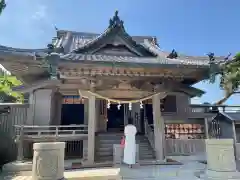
[
  {"x": 2, "y": 6},
  {"x": 230, "y": 77},
  {"x": 7, "y": 82}
]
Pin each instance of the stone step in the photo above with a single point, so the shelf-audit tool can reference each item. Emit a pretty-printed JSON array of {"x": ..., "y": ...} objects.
[
  {"x": 111, "y": 153},
  {"x": 105, "y": 142},
  {"x": 104, "y": 158}
]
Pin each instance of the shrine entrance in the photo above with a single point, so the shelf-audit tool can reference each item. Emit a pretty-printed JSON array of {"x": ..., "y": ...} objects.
[
  {"x": 72, "y": 112},
  {"x": 115, "y": 118}
]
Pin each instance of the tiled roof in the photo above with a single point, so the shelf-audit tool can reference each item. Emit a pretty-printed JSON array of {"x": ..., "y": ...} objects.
[
  {"x": 71, "y": 40},
  {"x": 74, "y": 40},
  {"x": 128, "y": 59},
  {"x": 234, "y": 116}
]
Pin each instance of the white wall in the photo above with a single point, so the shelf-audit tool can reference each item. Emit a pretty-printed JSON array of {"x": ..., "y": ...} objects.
[{"x": 39, "y": 112}]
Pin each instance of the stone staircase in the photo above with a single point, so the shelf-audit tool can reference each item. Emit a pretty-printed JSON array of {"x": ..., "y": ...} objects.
[{"x": 104, "y": 146}]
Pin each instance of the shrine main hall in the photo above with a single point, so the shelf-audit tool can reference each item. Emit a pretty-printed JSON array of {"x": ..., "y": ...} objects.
[{"x": 92, "y": 85}]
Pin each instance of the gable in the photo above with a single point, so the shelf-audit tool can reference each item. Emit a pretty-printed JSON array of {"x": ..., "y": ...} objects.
[
  {"x": 114, "y": 40},
  {"x": 116, "y": 50}
]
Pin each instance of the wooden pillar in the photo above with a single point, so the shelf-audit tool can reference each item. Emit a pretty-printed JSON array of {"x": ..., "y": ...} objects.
[
  {"x": 91, "y": 128},
  {"x": 206, "y": 128},
  {"x": 159, "y": 135},
  {"x": 85, "y": 111},
  {"x": 125, "y": 114},
  {"x": 234, "y": 132}
]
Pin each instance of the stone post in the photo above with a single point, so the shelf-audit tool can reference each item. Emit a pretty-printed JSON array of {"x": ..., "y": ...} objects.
[
  {"x": 48, "y": 161},
  {"x": 220, "y": 160},
  {"x": 158, "y": 128},
  {"x": 20, "y": 141},
  {"x": 85, "y": 150}
]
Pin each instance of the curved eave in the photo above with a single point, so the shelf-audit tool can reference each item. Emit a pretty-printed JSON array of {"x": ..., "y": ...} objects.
[
  {"x": 19, "y": 50},
  {"x": 157, "y": 51},
  {"x": 91, "y": 42},
  {"x": 133, "y": 61}
]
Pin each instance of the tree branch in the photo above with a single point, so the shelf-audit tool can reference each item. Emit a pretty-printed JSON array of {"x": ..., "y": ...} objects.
[{"x": 225, "y": 98}]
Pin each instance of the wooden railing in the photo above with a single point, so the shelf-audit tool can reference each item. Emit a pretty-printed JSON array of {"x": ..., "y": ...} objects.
[
  {"x": 73, "y": 135},
  {"x": 185, "y": 146},
  {"x": 36, "y": 133}
]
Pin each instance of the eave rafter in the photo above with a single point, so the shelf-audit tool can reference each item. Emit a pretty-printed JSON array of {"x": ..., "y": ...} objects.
[{"x": 121, "y": 73}]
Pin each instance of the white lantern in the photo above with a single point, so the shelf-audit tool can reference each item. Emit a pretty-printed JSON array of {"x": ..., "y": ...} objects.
[
  {"x": 108, "y": 104},
  {"x": 130, "y": 106},
  {"x": 141, "y": 105},
  {"x": 119, "y": 106}
]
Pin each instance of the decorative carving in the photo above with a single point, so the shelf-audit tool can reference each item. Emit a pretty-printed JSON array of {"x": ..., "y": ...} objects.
[
  {"x": 173, "y": 54},
  {"x": 51, "y": 48},
  {"x": 227, "y": 57},
  {"x": 214, "y": 69},
  {"x": 115, "y": 21},
  {"x": 211, "y": 57},
  {"x": 154, "y": 41},
  {"x": 45, "y": 166}
]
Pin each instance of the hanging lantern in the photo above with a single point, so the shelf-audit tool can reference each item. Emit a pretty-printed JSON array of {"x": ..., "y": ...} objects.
[
  {"x": 141, "y": 105},
  {"x": 108, "y": 104},
  {"x": 130, "y": 106},
  {"x": 119, "y": 105}
]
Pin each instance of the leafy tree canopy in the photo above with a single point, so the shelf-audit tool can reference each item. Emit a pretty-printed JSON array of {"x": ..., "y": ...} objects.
[
  {"x": 7, "y": 82},
  {"x": 230, "y": 78},
  {"x": 2, "y": 6}
]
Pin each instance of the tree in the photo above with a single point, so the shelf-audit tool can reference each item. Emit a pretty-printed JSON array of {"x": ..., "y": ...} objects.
[
  {"x": 2, "y": 6},
  {"x": 230, "y": 78},
  {"x": 7, "y": 82}
]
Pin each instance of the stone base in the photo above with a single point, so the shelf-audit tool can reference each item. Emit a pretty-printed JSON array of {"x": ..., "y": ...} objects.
[
  {"x": 17, "y": 166},
  {"x": 94, "y": 174},
  {"x": 214, "y": 175}
]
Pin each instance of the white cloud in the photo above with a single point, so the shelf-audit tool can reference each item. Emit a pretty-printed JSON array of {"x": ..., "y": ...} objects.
[
  {"x": 41, "y": 13},
  {"x": 25, "y": 21}
]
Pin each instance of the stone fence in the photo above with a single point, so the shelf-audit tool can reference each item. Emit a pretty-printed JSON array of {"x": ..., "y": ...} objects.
[{"x": 185, "y": 146}]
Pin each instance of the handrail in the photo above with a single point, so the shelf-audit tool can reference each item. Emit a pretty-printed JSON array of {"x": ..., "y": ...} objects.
[
  {"x": 44, "y": 126},
  {"x": 149, "y": 133},
  {"x": 43, "y": 131}
]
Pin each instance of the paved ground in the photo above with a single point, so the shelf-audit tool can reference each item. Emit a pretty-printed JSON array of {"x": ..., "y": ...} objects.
[{"x": 161, "y": 172}]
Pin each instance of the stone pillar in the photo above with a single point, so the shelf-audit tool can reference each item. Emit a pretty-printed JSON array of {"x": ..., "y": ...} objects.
[
  {"x": 20, "y": 141},
  {"x": 48, "y": 161},
  {"x": 91, "y": 129},
  {"x": 220, "y": 160},
  {"x": 159, "y": 135},
  {"x": 85, "y": 150}
]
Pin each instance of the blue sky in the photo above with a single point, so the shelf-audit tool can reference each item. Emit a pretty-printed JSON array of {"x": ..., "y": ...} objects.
[{"x": 193, "y": 27}]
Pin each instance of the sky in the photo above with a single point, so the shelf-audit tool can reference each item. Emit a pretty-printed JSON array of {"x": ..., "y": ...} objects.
[{"x": 191, "y": 27}]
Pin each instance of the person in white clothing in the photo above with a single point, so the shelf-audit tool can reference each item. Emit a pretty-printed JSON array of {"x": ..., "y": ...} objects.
[{"x": 129, "y": 156}]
